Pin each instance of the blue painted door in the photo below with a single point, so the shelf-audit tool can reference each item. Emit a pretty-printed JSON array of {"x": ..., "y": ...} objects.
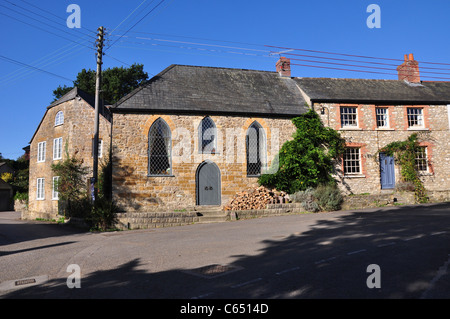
[{"x": 387, "y": 172}]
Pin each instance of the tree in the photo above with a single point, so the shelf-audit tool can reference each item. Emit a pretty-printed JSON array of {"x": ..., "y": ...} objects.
[
  {"x": 307, "y": 160},
  {"x": 116, "y": 82}
]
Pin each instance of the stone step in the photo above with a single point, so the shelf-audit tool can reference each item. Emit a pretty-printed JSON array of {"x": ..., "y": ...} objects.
[{"x": 212, "y": 216}]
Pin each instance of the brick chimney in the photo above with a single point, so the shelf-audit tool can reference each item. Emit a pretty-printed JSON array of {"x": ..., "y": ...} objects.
[
  {"x": 409, "y": 70},
  {"x": 284, "y": 67}
]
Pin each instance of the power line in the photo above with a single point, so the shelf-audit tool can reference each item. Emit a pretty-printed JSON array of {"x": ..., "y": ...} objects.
[
  {"x": 137, "y": 23},
  {"x": 129, "y": 16},
  {"x": 32, "y": 67}
]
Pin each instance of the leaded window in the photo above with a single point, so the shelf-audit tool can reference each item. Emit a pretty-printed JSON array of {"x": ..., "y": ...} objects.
[
  {"x": 207, "y": 136},
  {"x": 256, "y": 149},
  {"x": 159, "y": 149},
  {"x": 352, "y": 163},
  {"x": 40, "y": 191}
]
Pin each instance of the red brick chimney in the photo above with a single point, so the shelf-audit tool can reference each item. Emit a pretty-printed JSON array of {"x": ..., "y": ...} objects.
[
  {"x": 409, "y": 70},
  {"x": 284, "y": 66}
]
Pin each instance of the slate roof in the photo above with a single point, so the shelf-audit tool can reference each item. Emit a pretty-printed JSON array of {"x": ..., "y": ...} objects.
[
  {"x": 72, "y": 94},
  {"x": 210, "y": 90},
  {"x": 376, "y": 91}
]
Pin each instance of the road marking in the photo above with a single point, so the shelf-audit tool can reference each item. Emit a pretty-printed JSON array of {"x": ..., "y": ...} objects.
[
  {"x": 414, "y": 237},
  {"x": 287, "y": 270},
  {"x": 202, "y": 296},
  {"x": 246, "y": 283},
  {"x": 387, "y": 244},
  {"x": 356, "y": 252},
  {"x": 441, "y": 272},
  {"x": 324, "y": 260}
]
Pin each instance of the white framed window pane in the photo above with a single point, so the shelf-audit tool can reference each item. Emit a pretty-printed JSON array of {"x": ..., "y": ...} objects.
[
  {"x": 422, "y": 160},
  {"x": 349, "y": 116},
  {"x": 352, "y": 164},
  {"x": 382, "y": 117},
  {"x": 41, "y": 152},
  {"x": 59, "y": 118},
  {"x": 55, "y": 193},
  {"x": 415, "y": 116},
  {"x": 57, "y": 148},
  {"x": 40, "y": 191}
]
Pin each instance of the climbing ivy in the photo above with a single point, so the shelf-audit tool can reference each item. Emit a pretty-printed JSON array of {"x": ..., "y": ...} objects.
[
  {"x": 308, "y": 159},
  {"x": 404, "y": 153}
]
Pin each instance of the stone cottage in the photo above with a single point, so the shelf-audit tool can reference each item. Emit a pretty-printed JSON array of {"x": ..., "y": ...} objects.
[
  {"x": 67, "y": 127},
  {"x": 194, "y": 136},
  {"x": 370, "y": 114}
]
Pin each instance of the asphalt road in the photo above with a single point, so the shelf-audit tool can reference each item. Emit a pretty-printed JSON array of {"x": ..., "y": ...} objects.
[{"x": 323, "y": 255}]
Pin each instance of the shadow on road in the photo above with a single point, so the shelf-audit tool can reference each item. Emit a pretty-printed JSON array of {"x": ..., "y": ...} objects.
[{"x": 328, "y": 260}]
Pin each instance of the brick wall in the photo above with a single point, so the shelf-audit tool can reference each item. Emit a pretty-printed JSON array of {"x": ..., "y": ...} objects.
[
  {"x": 435, "y": 135},
  {"x": 134, "y": 190},
  {"x": 77, "y": 133}
]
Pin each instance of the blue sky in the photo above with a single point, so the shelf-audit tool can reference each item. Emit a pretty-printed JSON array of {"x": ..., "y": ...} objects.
[{"x": 219, "y": 33}]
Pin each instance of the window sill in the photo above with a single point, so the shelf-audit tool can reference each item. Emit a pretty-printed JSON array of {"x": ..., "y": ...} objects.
[
  {"x": 349, "y": 128},
  {"x": 384, "y": 129},
  {"x": 425, "y": 174},
  {"x": 418, "y": 129},
  {"x": 355, "y": 176},
  {"x": 160, "y": 175},
  {"x": 253, "y": 176}
]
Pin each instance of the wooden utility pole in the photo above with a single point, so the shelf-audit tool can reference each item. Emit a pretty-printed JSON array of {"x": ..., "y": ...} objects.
[{"x": 94, "y": 181}]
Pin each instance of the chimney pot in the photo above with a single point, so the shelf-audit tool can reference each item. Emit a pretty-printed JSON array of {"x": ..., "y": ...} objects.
[{"x": 409, "y": 70}]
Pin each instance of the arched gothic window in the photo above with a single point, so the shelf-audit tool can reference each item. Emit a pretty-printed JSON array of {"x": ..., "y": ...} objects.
[
  {"x": 255, "y": 149},
  {"x": 207, "y": 136},
  {"x": 159, "y": 149}
]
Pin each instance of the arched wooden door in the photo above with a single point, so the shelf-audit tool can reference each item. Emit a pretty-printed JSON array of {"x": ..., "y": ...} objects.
[{"x": 208, "y": 184}]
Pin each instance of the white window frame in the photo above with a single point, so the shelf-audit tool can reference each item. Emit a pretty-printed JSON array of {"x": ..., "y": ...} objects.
[
  {"x": 40, "y": 188},
  {"x": 59, "y": 118},
  {"x": 422, "y": 158},
  {"x": 57, "y": 148},
  {"x": 383, "y": 113},
  {"x": 348, "y": 162},
  {"x": 55, "y": 192},
  {"x": 41, "y": 152},
  {"x": 347, "y": 116},
  {"x": 414, "y": 113}
]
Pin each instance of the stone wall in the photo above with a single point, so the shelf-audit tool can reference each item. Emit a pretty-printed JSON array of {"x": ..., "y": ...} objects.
[
  {"x": 435, "y": 135},
  {"x": 134, "y": 190},
  {"x": 77, "y": 133}
]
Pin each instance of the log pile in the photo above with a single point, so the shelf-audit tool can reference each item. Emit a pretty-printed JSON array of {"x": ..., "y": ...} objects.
[{"x": 257, "y": 198}]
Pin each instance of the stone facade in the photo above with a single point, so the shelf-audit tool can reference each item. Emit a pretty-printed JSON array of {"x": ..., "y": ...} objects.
[
  {"x": 135, "y": 190},
  {"x": 77, "y": 132},
  {"x": 434, "y": 135}
]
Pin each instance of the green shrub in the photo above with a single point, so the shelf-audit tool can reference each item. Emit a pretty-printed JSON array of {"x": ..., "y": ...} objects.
[
  {"x": 103, "y": 214},
  {"x": 307, "y": 199},
  {"x": 329, "y": 197},
  {"x": 21, "y": 196}
]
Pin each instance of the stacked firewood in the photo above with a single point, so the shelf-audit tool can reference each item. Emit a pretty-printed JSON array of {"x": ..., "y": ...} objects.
[{"x": 257, "y": 198}]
